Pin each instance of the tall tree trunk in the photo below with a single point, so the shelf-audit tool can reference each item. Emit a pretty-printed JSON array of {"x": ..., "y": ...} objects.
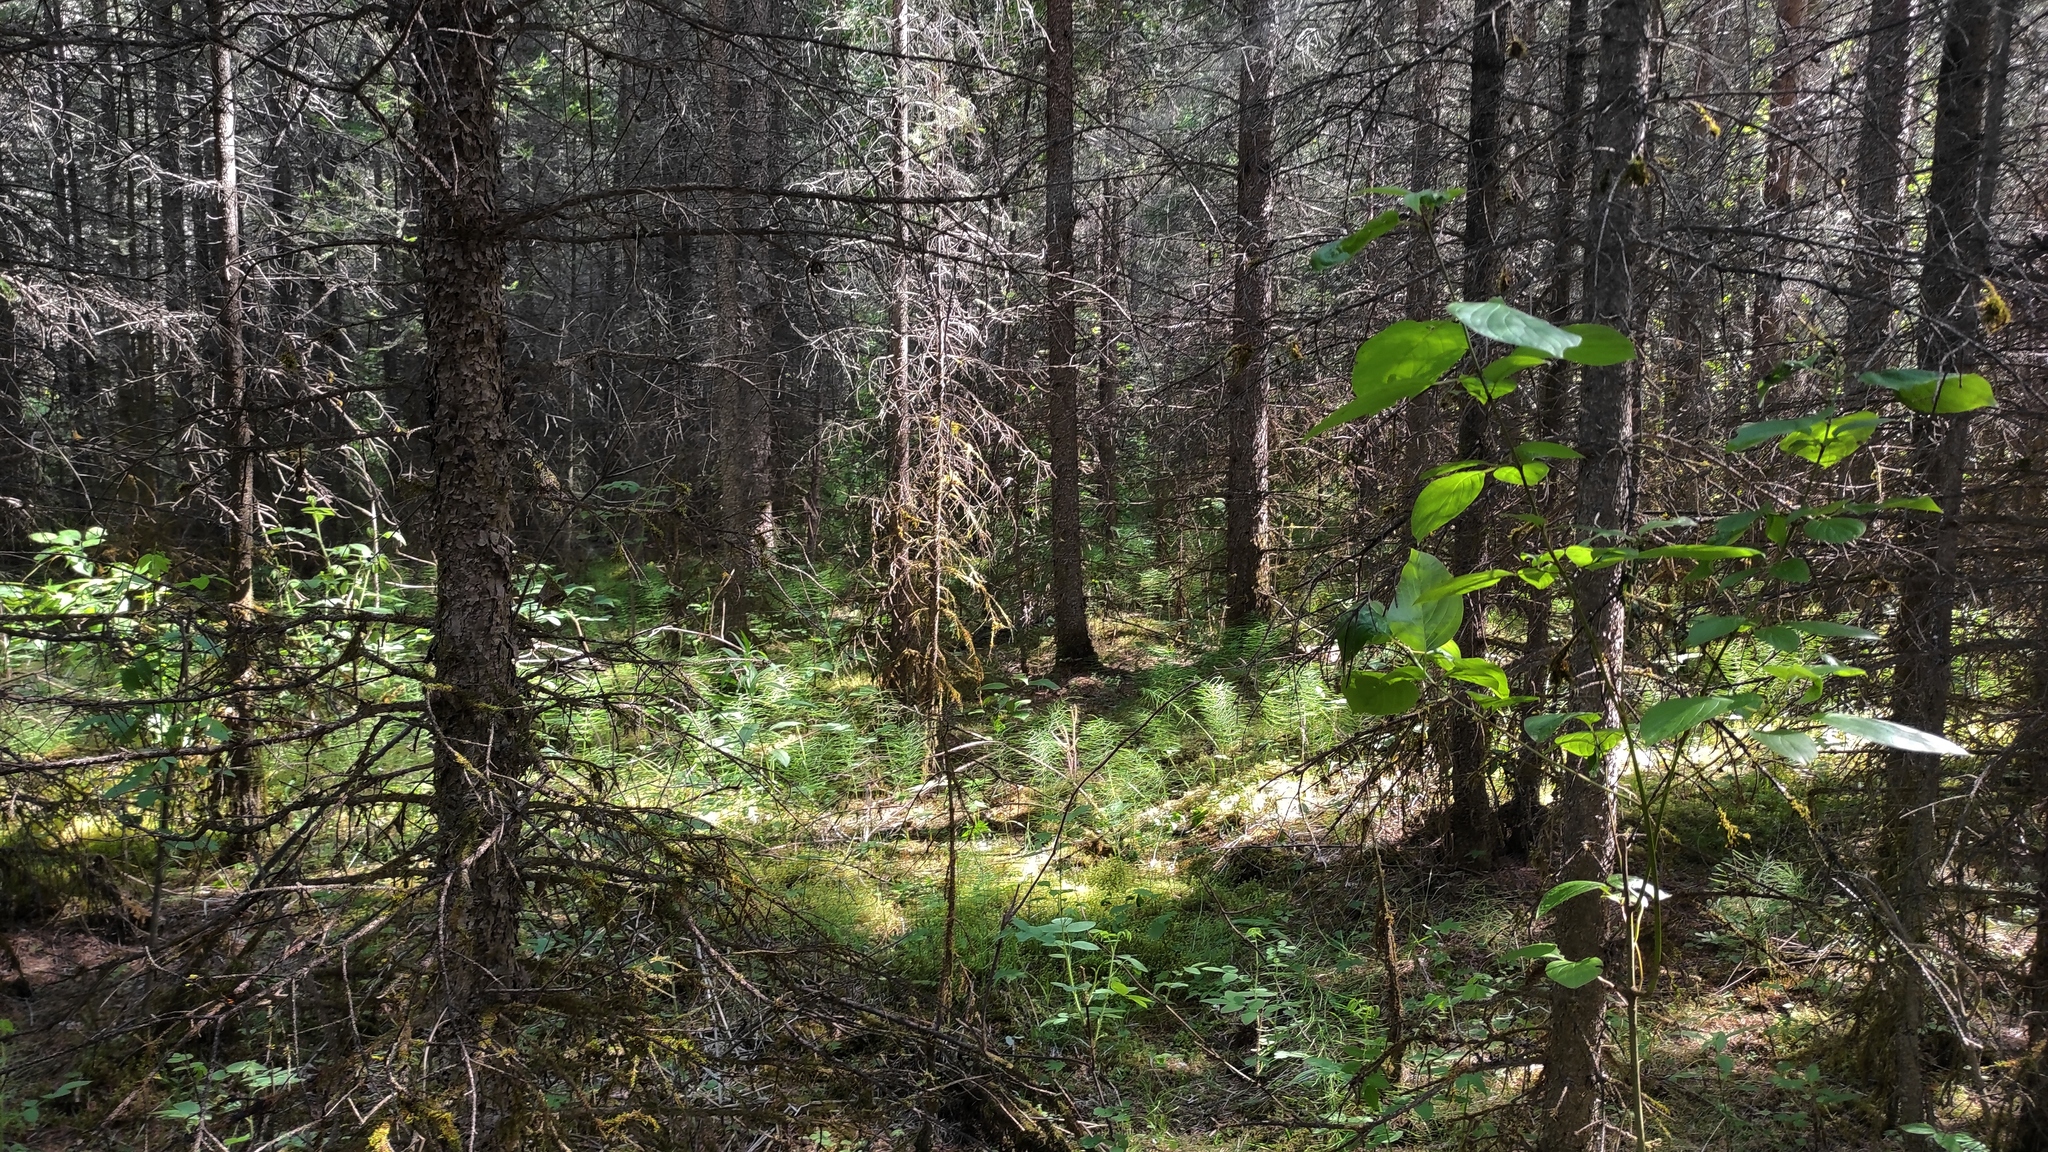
[
  {"x": 1548, "y": 399},
  {"x": 906, "y": 666},
  {"x": 1953, "y": 259},
  {"x": 482, "y": 753},
  {"x": 242, "y": 786},
  {"x": 2029, "y": 1107},
  {"x": 1585, "y": 815},
  {"x": 1475, "y": 832},
  {"x": 1880, "y": 165},
  {"x": 744, "y": 359},
  {"x": 1246, "y": 563},
  {"x": 1109, "y": 383},
  {"x": 1782, "y": 157},
  {"x": 1424, "y": 295},
  {"x": 1071, "y": 644}
]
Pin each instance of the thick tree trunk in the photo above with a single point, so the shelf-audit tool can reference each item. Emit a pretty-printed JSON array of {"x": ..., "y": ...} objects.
[
  {"x": 1880, "y": 165},
  {"x": 1071, "y": 644},
  {"x": 1953, "y": 259},
  {"x": 1585, "y": 813},
  {"x": 2029, "y": 1107},
  {"x": 482, "y": 755},
  {"x": 1246, "y": 562},
  {"x": 240, "y": 788},
  {"x": 1475, "y": 832}
]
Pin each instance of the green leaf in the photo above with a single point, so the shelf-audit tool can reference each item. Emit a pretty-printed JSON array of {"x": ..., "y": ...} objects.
[
  {"x": 1420, "y": 623},
  {"x": 1569, "y": 890},
  {"x": 1513, "y": 362},
  {"x": 1830, "y": 628},
  {"x": 1522, "y": 475},
  {"x": 1485, "y": 673},
  {"x": 1707, "y": 629},
  {"x": 1830, "y": 440},
  {"x": 1912, "y": 503},
  {"x": 1598, "y": 346},
  {"x": 1542, "y": 726},
  {"x": 1587, "y": 745},
  {"x": 1499, "y": 322},
  {"x": 1537, "y": 578},
  {"x": 1461, "y": 585},
  {"x": 1792, "y": 570},
  {"x": 1892, "y": 734},
  {"x": 1750, "y": 435},
  {"x": 1668, "y": 718},
  {"x": 1543, "y": 951},
  {"x": 1797, "y": 747},
  {"x": 1833, "y": 529},
  {"x": 1355, "y": 629},
  {"x": 1338, "y": 251},
  {"x": 1574, "y": 973},
  {"x": 1707, "y": 552},
  {"x": 1451, "y": 466},
  {"x": 1546, "y": 450},
  {"x": 1406, "y": 357},
  {"x": 1380, "y": 694},
  {"x": 1934, "y": 393},
  {"x": 1486, "y": 392},
  {"x": 1734, "y": 524},
  {"x": 1441, "y": 501}
]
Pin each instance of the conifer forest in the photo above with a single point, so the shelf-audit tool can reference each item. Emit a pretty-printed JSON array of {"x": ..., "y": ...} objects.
[{"x": 1034, "y": 575}]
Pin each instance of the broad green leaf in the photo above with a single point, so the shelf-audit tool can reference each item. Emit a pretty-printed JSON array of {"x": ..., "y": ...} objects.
[
  {"x": 1424, "y": 625},
  {"x": 1546, "y": 450},
  {"x": 1797, "y": 747},
  {"x": 1707, "y": 629},
  {"x": 1750, "y": 435},
  {"x": 1892, "y": 734},
  {"x": 1530, "y": 952},
  {"x": 1450, "y": 466},
  {"x": 1485, "y": 673},
  {"x": 1587, "y": 745},
  {"x": 1499, "y": 322},
  {"x": 1830, "y": 628},
  {"x": 1707, "y": 552},
  {"x": 1513, "y": 362},
  {"x": 1484, "y": 391},
  {"x": 1668, "y": 718},
  {"x": 1361, "y": 626},
  {"x": 1542, "y": 726},
  {"x": 1379, "y": 694},
  {"x": 1792, "y": 570},
  {"x": 1569, "y": 890},
  {"x": 1441, "y": 501},
  {"x": 1522, "y": 475},
  {"x": 1598, "y": 346},
  {"x": 1833, "y": 529},
  {"x": 1461, "y": 585},
  {"x": 1932, "y": 392},
  {"x": 1734, "y": 524},
  {"x": 1537, "y": 578},
  {"x": 1404, "y": 358},
  {"x": 1912, "y": 503},
  {"x": 1830, "y": 441},
  {"x": 1780, "y": 637},
  {"x": 1574, "y": 973},
  {"x": 1338, "y": 251}
]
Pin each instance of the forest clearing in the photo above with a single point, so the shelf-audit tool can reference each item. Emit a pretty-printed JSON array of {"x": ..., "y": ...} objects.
[{"x": 912, "y": 575}]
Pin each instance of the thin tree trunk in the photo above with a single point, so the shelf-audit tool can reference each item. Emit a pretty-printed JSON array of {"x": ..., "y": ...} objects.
[
  {"x": 1953, "y": 259},
  {"x": 1781, "y": 179},
  {"x": 1246, "y": 562},
  {"x": 2029, "y": 1107},
  {"x": 905, "y": 668},
  {"x": 1424, "y": 296},
  {"x": 1475, "y": 832},
  {"x": 242, "y": 786},
  {"x": 1880, "y": 164},
  {"x": 1071, "y": 644},
  {"x": 482, "y": 755},
  {"x": 1585, "y": 817},
  {"x": 1109, "y": 384},
  {"x": 1525, "y": 805}
]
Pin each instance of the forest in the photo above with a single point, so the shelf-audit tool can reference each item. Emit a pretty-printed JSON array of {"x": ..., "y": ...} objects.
[{"x": 1039, "y": 575}]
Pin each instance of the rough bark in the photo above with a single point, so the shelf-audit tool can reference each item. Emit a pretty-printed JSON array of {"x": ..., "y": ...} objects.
[
  {"x": 1584, "y": 819},
  {"x": 1953, "y": 258},
  {"x": 1880, "y": 165},
  {"x": 1475, "y": 832},
  {"x": 482, "y": 754},
  {"x": 1071, "y": 644},
  {"x": 1246, "y": 562},
  {"x": 906, "y": 666},
  {"x": 1782, "y": 156},
  {"x": 240, "y": 786},
  {"x": 1424, "y": 295}
]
